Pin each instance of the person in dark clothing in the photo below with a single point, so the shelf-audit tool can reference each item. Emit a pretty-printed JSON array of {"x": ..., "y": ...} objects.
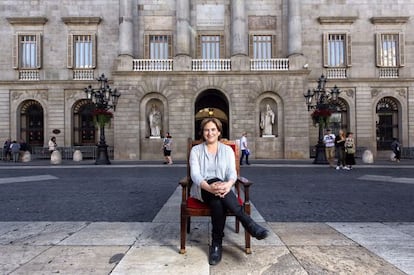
[{"x": 396, "y": 148}]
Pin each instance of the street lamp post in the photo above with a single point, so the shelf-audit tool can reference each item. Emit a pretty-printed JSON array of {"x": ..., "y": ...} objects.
[
  {"x": 320, "y": 101},
  {"x": 104, "y": 99}
]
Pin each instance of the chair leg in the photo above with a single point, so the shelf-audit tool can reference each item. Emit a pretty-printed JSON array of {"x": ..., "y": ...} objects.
[
  {"x": 237, "y": 225},
  {"x": 188, "y": 225},
  {"x": 183, "y": 233}
]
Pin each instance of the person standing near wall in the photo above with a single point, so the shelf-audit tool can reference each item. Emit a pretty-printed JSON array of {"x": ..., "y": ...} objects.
[
  {"x": 167, "y": 148},
  {"x": 329, "y": 141},
  {"x": 244, "y": 149}
]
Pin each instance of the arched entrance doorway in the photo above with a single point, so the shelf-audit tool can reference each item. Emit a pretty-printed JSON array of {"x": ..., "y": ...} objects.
[
  {"x": 339, "y": 117},
  {"x": 387, "y": 122},
  {"x": 31, "y": 123},
  {"x": 211, "y": 103},
  {"x": 83, "y": 124}
]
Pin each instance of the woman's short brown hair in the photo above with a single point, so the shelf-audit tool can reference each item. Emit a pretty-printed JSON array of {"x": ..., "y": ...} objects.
[{"x": 215, "y": 121}]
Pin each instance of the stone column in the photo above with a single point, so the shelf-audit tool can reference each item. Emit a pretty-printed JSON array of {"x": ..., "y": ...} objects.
[
  {"x": 125, "y": 47},
  {"x": 296, "y": 59},
  {"x": 239, "y": 36},
  {"x": 182, "y": 59},
  {"x": 294, "y": 28}
]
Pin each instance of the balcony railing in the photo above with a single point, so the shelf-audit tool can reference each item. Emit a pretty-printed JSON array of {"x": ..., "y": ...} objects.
[
  {"x": 29, "y": 75},
  {"x": 388, "y": 72},
  {"x": 273, "y": 64},
  {"x": 83, "y": 74},
  {"x": 152, "y": 65},
  {"x": 211, "y": 65},
  {"x": 198, "y": 65},
  {"x": 336, "y": 73}
]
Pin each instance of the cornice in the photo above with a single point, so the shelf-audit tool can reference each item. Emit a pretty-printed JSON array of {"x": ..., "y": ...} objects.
[
  {"x": 94, "y": 20},
  {"x": 27, "y": 20},
  {"x": 337, "y": 19},
  {"x": 390, "y": 20}
]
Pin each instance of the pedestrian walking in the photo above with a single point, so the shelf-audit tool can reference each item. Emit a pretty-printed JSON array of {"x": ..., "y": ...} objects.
[
  {"x": 396, "y": 148},
  {"x": 15, "y": 150},
  {"x": 245, "y": 152},
  {"x": 329, "y": 141}
]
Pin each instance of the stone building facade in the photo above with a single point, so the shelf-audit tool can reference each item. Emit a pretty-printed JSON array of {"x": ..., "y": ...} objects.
[{"x": 192, "y": 59}]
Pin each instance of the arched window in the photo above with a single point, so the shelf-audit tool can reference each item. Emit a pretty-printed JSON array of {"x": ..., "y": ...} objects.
[
  {"x": 31, "y": 123},
  {"x": 386, "y": 122},
  {"x": 83, "y": 124}
]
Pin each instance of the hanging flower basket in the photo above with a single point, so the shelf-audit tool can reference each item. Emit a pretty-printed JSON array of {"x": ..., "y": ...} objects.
[
  {"x": 321, "y": 117},
  {"x": 102, "y": 117}
]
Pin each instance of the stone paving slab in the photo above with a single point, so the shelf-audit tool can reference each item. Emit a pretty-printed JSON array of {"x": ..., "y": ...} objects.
[{"x": 74, "y": 260}]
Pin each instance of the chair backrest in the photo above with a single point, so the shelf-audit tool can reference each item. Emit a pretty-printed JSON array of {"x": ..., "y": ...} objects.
[{"x": 232, "y": 143}]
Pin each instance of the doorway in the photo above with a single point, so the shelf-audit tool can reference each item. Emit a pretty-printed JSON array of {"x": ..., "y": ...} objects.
[{"x": 211, "y": 103}]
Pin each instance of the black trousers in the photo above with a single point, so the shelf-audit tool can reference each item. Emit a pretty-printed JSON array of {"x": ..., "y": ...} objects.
[{"x": 219, "y": 206}]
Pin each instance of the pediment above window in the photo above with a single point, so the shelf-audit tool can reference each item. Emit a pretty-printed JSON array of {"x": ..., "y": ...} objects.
[
  {"x": 27, "y": 20},
  {"x": 339, "y": 20},
  {"x": 82, "y": 20},
  {"x": 390, "y": 20}
]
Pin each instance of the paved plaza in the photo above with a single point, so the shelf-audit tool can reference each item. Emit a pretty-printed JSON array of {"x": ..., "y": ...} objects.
[{"x": 124, "y": 219}]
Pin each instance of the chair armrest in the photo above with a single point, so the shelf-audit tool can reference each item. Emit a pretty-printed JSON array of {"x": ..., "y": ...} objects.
[
  {"x": 184, "y": 182},
  {"x": 245, "y": 182}
]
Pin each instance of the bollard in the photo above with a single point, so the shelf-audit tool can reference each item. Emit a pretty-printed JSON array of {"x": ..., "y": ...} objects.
[
  {"x": 367, "y": 157},
  {"x": 27, "y": 157},
  {"x": 77, "y": 155},
  {"x": 56, "y": 157}
]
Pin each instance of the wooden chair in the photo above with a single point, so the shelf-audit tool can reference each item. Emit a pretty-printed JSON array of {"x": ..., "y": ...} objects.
[{"x": 191, "y": 207}]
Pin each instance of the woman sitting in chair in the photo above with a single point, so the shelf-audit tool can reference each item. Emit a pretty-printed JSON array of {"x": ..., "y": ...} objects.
[{"x": 213, "y": 172}]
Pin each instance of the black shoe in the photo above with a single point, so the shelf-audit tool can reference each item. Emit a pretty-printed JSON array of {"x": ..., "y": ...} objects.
[
  {"x": 215, "y": 254},
  {"x": 257, "y": 231}
]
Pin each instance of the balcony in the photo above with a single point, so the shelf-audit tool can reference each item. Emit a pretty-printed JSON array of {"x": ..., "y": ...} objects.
[
  {"x": 152, "y": 65},
  {"x": 273, "y": 64},
  {"x": 83, "y": 75},
  {"x": 336, "y": 73},
  {"x": 391, "y": 72},
  {"x": 209, "y": 65},
  {"x": 29, "y": 75}
]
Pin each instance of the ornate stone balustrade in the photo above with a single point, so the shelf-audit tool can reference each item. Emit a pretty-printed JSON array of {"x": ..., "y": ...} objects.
[
  {"x": 29, "y": 75},
  {"x": 211, "y": 65},
  {"x": 152, "y": 65},
  {"x": 274, "y": 64},
  {"x": 388, "y": 72},
  {"x": 336, "y": 73},
  {"x": 83, "y": 75}
]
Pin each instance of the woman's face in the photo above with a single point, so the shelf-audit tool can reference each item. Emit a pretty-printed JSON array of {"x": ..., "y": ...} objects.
[{"x": 210, "y": 132}]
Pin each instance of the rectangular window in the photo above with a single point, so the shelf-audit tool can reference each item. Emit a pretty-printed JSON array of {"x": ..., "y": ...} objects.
[
  {"x": 262, "y": 47},
  {"x": 337, "y": 50},
  {"x": 83, "y": 48},
  {"x": 210, "y": 46},
  {"x": 159, "y": 45},
  {"x": 388, "y": 50},
  {"x": 81, "y": 51},
  {"x": 27, "y": 51}
]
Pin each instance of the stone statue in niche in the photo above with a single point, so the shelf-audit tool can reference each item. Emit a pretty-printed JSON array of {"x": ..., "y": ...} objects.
[
  {"x": 267, "y": 119},
  {"x": 155, "y": 118}
]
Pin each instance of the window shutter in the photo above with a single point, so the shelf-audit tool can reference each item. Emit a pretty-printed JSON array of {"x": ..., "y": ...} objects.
[
  {"x": 146, "y": 46},
  {"x": 325, "y": 49},
  {"x": 38, "y": 50},
  {"x": 94, "y": 50},
  {"x": 198, "y": 46},
  {"x": 222, "y": 47},
  {"x": 273, "y": 46},
  {"x": 70, "y": 52},
  {"x": 251, "y": 54},
  {"x": 401, "y": 46},
  {"x": 15, "y": 53},
  {"x": 348, "y": 47},
  {"x": 170, "y": 48},
  {"x": 378, "y": 47}
]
